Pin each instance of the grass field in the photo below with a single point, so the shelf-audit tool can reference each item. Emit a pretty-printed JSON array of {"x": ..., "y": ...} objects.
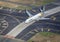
[
  {"x": 30, "y": 2},
  {"x": 45, "y": 37}
]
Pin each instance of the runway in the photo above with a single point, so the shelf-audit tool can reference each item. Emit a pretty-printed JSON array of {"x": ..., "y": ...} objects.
[
  {"x": 19, "y": 28},
  {"x": 26, "y": 31}
]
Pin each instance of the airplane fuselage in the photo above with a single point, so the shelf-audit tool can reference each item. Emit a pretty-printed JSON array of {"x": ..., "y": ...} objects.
[{"x": 34, "y": 18}]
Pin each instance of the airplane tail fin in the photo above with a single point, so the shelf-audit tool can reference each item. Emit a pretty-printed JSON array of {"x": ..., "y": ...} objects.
[{"x": 42, "y": 9}]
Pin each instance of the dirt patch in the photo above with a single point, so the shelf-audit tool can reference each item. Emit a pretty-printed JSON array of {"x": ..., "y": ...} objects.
[
  {"x": 7, "y": 4},
  {"x": 23, "y": 1},
  {"x": 13, "y": 3},
  {"x": 41, "y": 38}
]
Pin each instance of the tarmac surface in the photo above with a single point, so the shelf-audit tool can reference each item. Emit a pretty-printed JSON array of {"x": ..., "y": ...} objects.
[
  {"x": 13, "y": 17},
  {"x": 14, "y": 32}
]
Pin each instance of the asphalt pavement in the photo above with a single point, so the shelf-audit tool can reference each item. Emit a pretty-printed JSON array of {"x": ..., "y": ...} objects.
[{"x": 18, "y": 17}]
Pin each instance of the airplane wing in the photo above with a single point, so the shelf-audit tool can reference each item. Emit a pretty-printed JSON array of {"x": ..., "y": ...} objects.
[{"x": 29, "y": 14}]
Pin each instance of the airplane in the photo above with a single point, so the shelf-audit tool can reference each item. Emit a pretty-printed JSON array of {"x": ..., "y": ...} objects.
[{"x": 36, "y": 17}]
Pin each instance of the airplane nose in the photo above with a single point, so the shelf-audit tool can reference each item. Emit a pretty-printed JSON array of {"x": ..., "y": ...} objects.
[{"x": 26, "y": 21}]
